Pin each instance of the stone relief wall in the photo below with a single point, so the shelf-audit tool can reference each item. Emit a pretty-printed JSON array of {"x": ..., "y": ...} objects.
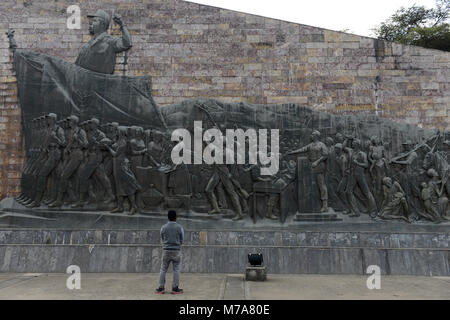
[
  {"x": 195, "y": 51},
  {"x": 116, "y": 150}
]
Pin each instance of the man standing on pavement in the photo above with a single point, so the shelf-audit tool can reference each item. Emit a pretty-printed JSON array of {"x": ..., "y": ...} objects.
[{"x": 172, "y": 237}]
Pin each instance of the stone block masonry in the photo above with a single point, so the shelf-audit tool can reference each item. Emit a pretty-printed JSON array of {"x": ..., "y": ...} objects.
[
  {"x": 218, "y": 251},
  {"x": 193, "y": 50}
]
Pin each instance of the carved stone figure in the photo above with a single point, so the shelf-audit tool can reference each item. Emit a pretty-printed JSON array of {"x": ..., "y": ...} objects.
[
  {"x": 317, "y": 155},
  {"x": 99, "y": 54},
  {"x": 342, "y": 159},
  {"x": 438, "y": 160},
  {"x": 430, "y": 212},
  {"x": 394, "y": 205},
  {"x": 332, "y": 176},
  {"x": 55, "y": 140},
  {"x": 242, "y": 193},
  {"x": 408, "y": 174},
  {"x": 137, "y": 147},
  {"x": 111, "y": 132},
  {"x": 358, "y": 165},
  {"x": 221, "y": 174},
  {"x": 378, "y": 165},
  {"x": 435, "y": 201},
  {"x": 40, "y": 158},
  {"x": 94, "y": 164},
  {"x": 137, "y": 152},
  {"x": 126, "y": 183},
  {"x": 74, "y": 155},
  {"x": 27, "y": 180},
  {"x": 153, "y": 155}
]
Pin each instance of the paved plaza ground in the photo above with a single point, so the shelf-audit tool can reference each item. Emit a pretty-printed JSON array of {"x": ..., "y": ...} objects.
[{"x": 221, "y": 287}]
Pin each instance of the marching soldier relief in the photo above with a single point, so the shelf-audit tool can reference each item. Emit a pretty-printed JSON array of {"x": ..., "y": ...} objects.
[{"x": 97, "y": 142}]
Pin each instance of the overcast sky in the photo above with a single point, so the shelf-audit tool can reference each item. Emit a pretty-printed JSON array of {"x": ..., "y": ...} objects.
[{"x": 358, "y": 16}]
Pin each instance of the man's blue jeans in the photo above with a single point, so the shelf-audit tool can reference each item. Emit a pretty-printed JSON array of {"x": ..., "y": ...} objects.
[{"x": 168, "y": 256}]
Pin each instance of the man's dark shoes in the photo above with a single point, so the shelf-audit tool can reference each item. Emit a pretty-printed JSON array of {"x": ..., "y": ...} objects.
[
  {"x": 177, "y": 290},
  {"x": 160, "y": 291}
]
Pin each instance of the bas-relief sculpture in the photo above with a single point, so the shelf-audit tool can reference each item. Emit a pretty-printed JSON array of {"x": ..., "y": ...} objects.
[{"x": 98, "y": 142}]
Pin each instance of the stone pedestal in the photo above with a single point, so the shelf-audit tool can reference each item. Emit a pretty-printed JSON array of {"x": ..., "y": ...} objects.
[
  {"x": 261, "y": 189},
  {"x": 255, "y": 273},
  {"x": 399, "y": 249}
]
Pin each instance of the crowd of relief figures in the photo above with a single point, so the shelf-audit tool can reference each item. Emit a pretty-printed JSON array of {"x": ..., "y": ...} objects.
[{"x": 89, "y": 164}]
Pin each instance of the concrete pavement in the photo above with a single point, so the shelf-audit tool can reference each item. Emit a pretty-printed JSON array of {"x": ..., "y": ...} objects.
[{"x": 220, "y": 287}]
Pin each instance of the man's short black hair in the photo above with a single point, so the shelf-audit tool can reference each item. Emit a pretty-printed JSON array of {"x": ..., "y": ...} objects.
[{"x": 172, "y": 215}]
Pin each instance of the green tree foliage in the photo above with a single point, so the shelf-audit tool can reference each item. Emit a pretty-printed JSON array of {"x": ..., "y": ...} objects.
[{"x": 419, "y": 26}]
